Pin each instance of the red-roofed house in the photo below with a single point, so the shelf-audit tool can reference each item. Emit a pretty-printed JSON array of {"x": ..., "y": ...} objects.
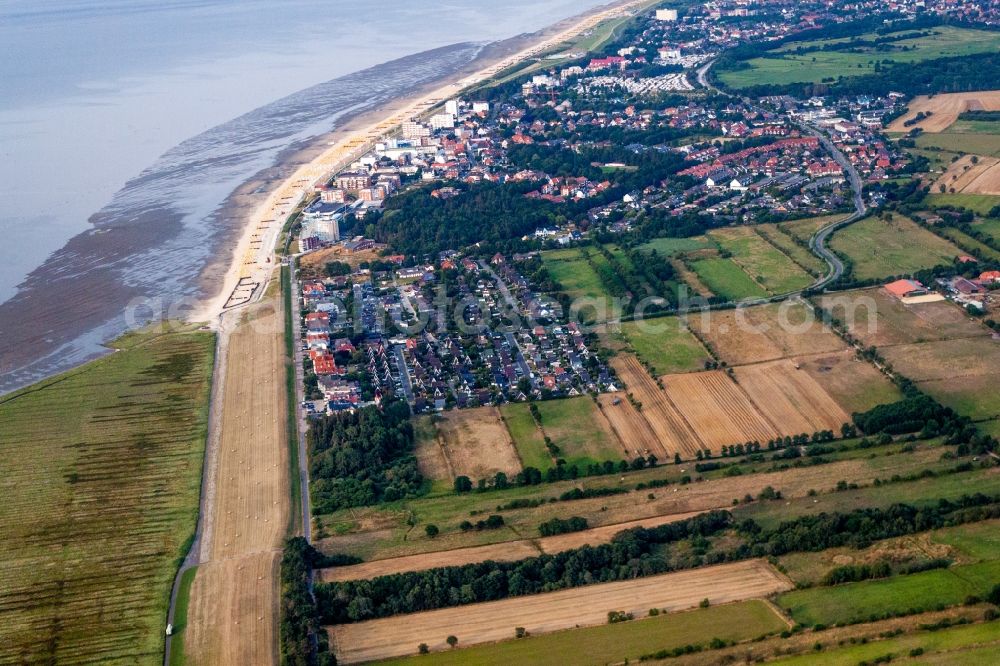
[
  {"x": 990, "y": 277},
  {"x": 906, "y": 288}
]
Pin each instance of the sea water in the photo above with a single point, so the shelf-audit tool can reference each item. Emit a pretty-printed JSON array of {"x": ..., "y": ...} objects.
[{"x": 125, "y": 125}]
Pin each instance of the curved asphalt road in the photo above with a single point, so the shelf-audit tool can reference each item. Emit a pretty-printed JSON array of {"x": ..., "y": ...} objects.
[{"x": 817, "y": 244}]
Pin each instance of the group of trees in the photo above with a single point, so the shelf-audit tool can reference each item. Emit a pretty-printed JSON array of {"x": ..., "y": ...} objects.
[
  {"x": 416, "y": 223},
  {"x": 912, "y": 414},
  {"x": 636, "y": 553},
  {"x": 562, "y": 526},
  {"x": 301, "y": 641},
  {"x": 361, "y": 458}
]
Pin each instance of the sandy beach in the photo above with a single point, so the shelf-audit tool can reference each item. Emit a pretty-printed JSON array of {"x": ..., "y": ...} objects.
[{"x": 250, "y": 264}]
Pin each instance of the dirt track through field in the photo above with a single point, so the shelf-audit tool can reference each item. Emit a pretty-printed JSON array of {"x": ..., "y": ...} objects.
[
  {"x": 790, "y": 398},
  {"x": 666, "y": 422},
  {"x": 544, "y": 613},
  {"x": 717, "y": 409},
  {"x": 234, "y": 599},
  {"x": 945, "y": 109}
]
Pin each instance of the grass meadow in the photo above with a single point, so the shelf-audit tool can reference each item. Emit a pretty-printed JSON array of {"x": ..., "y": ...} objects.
[
  {"x": 785, "y": 66},
  {"x": 527, "y": 438},
  {"x": 100, "y": 471},
  {"x": 857, "y": 602},
  {"x": 970, "y": 645},
  {"x": 762, "y": 261},
  {"x": 614, "y": 643},
  {"x": 669, "y": 349},
  {"x": 726, "y": 279},
  {"x": 879, "y": 248},
  {"x": 575, "y": 426}
]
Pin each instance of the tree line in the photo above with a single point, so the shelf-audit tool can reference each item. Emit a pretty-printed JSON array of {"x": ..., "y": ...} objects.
[
  {"x": 636, "y": 553},
  {"x": 301, "y": 640}
]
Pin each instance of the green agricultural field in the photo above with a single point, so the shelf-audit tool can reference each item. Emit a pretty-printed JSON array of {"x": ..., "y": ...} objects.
[
  {"x": 571, "y": 270},
  {"x": 726, "y": 279},
  {"x": 805, "y": 228},
  {"x": 949, "y": 486},
  {"x": 972, "y": 644},
  {"x": 527, "y": 438},
  {"x": 961, "y": 142},
  {"x": 990, "y": 226},
  {"x": 979, "y": 203},
  {"x": 880, "y": 249},
  {"x": 980, "y": 541},
  {"x": 785, "y": 66},
  {"x": 975, "y": 127},
  {"x": 579, "y": 430},
  {"x": 854, "y": 602},
  {"x": 673, "y": 246},
  {"x": 614, "y": 643},
  {"x": 975, "y": 397},
  {"x": 767, "y": 265},
  {"x": 786, "y": 243},
  {"x": 666, "y": 344},
  {"x": 973, "y": 542},
  {"x": 100, "y": 474},
  {"x": 967, "y": 242}
]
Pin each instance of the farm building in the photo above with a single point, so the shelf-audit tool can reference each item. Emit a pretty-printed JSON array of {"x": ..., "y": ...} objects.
[
  {"x": 967, "y": 287},
  {"x": 906, "y": 288},
  {"x": 989, "y": 278}
]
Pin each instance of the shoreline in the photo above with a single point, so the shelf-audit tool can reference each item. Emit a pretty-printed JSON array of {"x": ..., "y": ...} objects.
[
  {"x": 102, "y": 273},
  {"x": 257, "y": 233}
]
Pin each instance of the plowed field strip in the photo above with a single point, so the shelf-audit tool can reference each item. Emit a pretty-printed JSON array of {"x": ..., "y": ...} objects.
[
  {"x": 717, "y": 409},
  {"x": 632, "y": 430},
  {"x": 666, "y": 422}
]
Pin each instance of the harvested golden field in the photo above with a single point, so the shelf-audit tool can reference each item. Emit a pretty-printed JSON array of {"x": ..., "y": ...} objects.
[
  {"x": 790, "y": 398},
  {"x": 629, "y": 426},
  {"x": 718, "y": 410},
  {"x": 765, "y": 332},
  {"x": 945, "y": 109},
  {"x": 100, "y": 470},
  {"x": 877, "y": 318},
  {"x": 544, "y": 613},
  {"x": 240, "y": 597},
  {"x": 666, "y": 422},
  {"x": 965, "y": 177},
  {"x": 466, "y": 442},
  {"x": 854, "y": 384},
  {"x": 234, "y": 603},
  {"x": 598, "y": 535},
  {"x": 987, "y": 182}
]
